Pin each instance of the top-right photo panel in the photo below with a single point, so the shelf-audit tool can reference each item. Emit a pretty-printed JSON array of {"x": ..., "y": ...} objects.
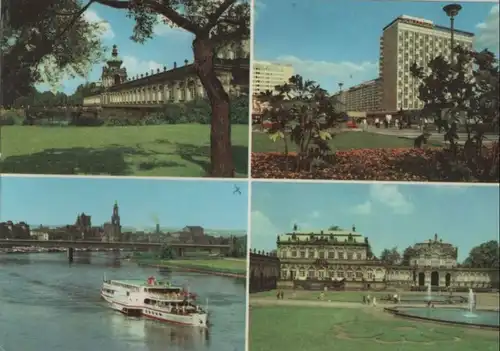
[{"x": 376, "y": 90}]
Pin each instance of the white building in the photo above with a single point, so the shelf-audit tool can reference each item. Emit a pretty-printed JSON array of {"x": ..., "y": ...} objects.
[
  {"x": 407, "y": 40},
  {"x": 267, "y": 75}
]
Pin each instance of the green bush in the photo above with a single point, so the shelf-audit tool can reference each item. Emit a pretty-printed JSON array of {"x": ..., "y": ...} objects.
[
  {"x": 11, "y": 117},
  {"x": 199, "y": 111}
]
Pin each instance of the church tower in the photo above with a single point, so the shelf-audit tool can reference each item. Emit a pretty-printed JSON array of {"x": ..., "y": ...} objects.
[
  {"x": 115, "y": 222},
  {"x": 113, "y": 73}
]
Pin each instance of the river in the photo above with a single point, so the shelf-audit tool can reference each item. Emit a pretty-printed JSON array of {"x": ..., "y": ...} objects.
[{"x": 48, "y": 304}]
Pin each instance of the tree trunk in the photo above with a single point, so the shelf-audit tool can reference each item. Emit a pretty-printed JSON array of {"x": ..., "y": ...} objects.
[{"x": 221, "y": 157}]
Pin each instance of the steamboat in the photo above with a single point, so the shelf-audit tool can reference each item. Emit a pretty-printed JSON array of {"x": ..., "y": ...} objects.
[{"x": 154, "y": 300}]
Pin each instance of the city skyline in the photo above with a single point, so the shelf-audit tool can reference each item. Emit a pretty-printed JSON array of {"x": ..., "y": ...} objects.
[
  {"x": 168, "y": 45},
  {"x": 388, "y": 214},
  {"x": 337, "y": 60},
  {"x": 142, "y": 202}
]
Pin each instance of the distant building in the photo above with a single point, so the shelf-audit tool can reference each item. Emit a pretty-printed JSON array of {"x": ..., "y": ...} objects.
[
  {"x": 11, "y": 230},
  {"x": 330, "y": 258},
  {"x": 172, "y": 85},
  {"x": 267, "y": 75},
  {"x": 113, "y": 229},
  {"x": 362, "y": 97},
  {"x": 194, "y": 230}
]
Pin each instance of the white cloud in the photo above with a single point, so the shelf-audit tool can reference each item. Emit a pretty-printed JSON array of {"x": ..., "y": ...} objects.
[
  {"x": 349, "y": 73},
  {"x": 135, "y": 66},
  {"x": 390, "y": 196},
  {"x": 363, "y": 209},
  {"x": 105, "y": 29},
  {"x": 315, "y": 214},
  {"x": 263, "y": 232},
  {"x": 163, "y": 29},
  {"x": 487, "y": 32}
]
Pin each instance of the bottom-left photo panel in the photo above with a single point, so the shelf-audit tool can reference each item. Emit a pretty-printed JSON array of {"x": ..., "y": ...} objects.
[{"x": 121, "y": 264}]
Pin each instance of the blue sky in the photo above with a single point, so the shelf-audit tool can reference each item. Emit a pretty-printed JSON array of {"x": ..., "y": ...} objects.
[
  {"x": 337, "y": 41},
  {"x": 167, "y": 45},
  {"x": 176, "y": 203},
  {"x": 388, "y": 214}
]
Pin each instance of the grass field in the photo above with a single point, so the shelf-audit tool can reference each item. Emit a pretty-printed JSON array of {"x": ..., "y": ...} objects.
[
  {"x": 342, "y": 141},
  {"x": 219, "y": 264},
  {"x": 166, "y": 150},
  {"x": 299, "y": 328}
]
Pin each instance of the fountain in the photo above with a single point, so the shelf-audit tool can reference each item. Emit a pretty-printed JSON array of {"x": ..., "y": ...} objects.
[
  {"x": 472, "y": 305},
  {"x": 472, "y": 317}
]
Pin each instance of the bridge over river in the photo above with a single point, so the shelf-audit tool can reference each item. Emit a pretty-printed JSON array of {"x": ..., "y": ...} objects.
[{"x": 179, "y": 248}]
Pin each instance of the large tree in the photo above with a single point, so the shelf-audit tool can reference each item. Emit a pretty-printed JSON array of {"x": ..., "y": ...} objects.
[
  {"x": 213, "y": 23},
  {"x": 43, "y": 41},
  {"x": 390, "y": 256},
  {"x": 462, "y": 91},
  {"x": 485, "y": 255}
]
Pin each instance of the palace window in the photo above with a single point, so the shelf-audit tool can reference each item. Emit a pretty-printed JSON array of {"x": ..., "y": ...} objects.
[
  {"x": 311, "y": 273},
  {"x": 354, "y": 256},
  {"x": 321, "y": 274},
  {"x": 302, "y": 254},
  {"x": 322, "y": 254},
  {"x": 302, "y": 273},
  {"x": 332, "y": 274},
  {"x": 370, "y": 276},
  {"x": 359, "y": 275},
  {"x": 350, "y": 274},
  {"x": 294, "y": 253},
  {"x": 340, "y": 274},
  {"x": 331, "y": 254},
  {"x": 284, "y": 274},
  {"x": 349, "y": 256}
]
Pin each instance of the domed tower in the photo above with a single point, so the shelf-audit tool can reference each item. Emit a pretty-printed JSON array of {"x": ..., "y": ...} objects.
[{"x": 113, "y": 73}]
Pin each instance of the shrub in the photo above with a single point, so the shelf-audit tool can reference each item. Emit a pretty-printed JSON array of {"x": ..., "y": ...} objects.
[
  {"x": 432, "y": 164},
  {"x": 11, "y": 117}
]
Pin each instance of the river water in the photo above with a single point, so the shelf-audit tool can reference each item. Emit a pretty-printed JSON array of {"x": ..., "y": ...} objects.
[{"x": 47, "y": 304}]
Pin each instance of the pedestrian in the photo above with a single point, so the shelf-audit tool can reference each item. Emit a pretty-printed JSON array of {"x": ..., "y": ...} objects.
[{"x": 282, "y": 294}]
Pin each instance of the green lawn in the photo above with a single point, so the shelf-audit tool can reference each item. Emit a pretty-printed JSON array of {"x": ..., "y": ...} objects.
[
  {"x": 166, "y": 150},
  {"x": 342, "y": 141},
  {"x": 230, "y": 265},
  {"x": 337, "y": 296},
  {"x": 295, "y": 328}
]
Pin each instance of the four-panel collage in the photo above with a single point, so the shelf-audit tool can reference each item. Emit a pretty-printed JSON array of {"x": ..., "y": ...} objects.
[{"x": 249, "y": 175}]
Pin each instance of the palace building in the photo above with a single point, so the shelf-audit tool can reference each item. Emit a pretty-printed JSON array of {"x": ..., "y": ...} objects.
[
  {"x": 332, "y": 258},
  {"x": 177, "y": 84}
]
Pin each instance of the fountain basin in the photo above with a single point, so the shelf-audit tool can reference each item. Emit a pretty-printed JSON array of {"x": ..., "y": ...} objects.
[
  {"x": 438, "y": 299},
  {"x": 459, "y": 316}
]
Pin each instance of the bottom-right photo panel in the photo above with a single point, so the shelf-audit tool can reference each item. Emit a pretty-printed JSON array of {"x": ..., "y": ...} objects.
[{"x": 374, "y": 266}]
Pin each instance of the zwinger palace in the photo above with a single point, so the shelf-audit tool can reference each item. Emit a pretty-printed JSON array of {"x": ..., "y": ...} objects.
[
  {"x": 178, "y": 83},
  {"x": 332, "y": 258}
]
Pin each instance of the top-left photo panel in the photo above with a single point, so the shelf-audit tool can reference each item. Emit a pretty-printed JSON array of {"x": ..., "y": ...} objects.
[{"x": 125, "y": 88}]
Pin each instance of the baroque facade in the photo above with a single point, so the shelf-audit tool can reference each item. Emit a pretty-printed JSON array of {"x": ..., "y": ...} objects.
[
  {"x": 333, "y": 256},
  {"x": 177, "y": 84}
]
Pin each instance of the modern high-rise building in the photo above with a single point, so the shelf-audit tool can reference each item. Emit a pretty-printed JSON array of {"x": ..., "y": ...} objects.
[
  {"x": 407, "y": 40},
  {"x": 364, "y": 97},
  {"x": 267, "y": 75}
]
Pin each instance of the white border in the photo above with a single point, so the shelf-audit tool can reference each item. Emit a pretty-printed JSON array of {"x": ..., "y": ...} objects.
[
  {"x": 333, "y": 181},
  {"x": 249, "y": 177},
  {"x": 76, "y": 176}
]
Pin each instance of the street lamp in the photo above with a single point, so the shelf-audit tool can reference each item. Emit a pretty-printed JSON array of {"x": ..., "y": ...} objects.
[{"x": 452, "y": 11}]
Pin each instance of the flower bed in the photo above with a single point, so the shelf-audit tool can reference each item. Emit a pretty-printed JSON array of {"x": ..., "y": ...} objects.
[{"x": 404, "y": 164}]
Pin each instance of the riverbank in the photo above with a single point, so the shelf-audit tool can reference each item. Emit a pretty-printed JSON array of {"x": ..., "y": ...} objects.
[{"x": 225, "y": 267}]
